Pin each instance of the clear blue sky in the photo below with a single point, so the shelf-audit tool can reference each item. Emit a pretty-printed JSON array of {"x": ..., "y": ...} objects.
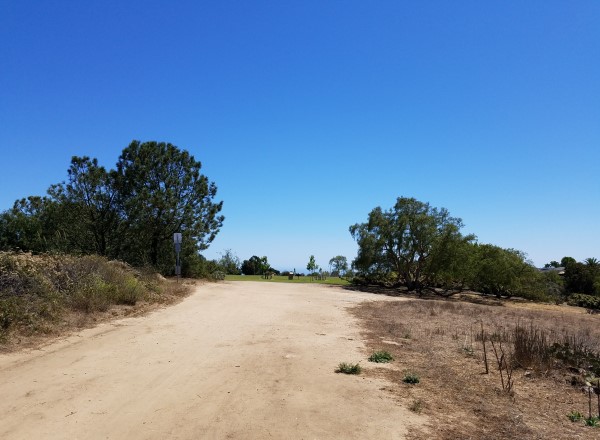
[{"x": 308, "y": 114}]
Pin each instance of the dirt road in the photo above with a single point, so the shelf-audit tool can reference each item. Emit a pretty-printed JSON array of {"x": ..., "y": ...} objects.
[{"x": 234, "y": 360}]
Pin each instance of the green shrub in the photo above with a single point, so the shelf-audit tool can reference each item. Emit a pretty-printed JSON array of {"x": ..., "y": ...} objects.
[
  {"x": 587, "y": 301},
  {"x": 129, "y": 292},
  {"x": 217, "y": 275},
  {"x": 27, "y": 294},
  {"x": 381, "y": 357},
  {"x": 12, "y": 311},
  {"x": 36, "y": 289},
  {"x": 347, "y": 368},
  {"x": 411, "y": 378},
  {"x": 102, "y": 283},
  {"x": 92, "y": 294},
  {"x": 575, "y": 416}
]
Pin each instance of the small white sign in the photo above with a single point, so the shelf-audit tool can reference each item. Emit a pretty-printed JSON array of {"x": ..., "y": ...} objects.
[{"x": 177, "y": 237}]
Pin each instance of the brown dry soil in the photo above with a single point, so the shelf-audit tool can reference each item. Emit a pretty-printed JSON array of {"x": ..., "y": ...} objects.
[
  {"x": 437, "y": 340},
  {"x": 233, "y": 360}
]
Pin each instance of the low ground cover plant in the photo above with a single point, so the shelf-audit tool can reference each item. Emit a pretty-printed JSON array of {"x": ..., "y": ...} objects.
[
  {"x": 381, "y": 356},
  {"x": 411, "y": 378},
  {"x": 348, "y": 368},
  {"x": 575, "y": 416}
]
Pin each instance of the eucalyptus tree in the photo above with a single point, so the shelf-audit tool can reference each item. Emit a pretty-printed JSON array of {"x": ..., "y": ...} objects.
[
  {"x": 339, "y": 265},
  {"x": 408, "y": 244},
  {"x": 230, "y": 262},
  {"x": 312, "y": 265}
]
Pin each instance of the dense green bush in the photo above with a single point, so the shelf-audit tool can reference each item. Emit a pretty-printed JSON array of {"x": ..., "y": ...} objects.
[
  {"x": 375, "y": 278},
  {"x": 587, "y": 301},
  {"x": 583, "y": 278},
  {"x": 197, "y": 266},
  {"x": 218, "y": 275},
  {"x": 411, "y": 378}
]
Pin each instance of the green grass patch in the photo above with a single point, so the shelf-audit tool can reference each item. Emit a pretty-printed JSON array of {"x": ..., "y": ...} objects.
[
  {"x": 284, "y": 279},
  {"x": 347, "y": 368},
  {"x": 575, "y": 416},
  {"x": 381, "y": 357}
]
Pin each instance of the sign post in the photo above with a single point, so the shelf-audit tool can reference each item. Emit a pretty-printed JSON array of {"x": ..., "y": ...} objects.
[{"x": 177, "y": 241}]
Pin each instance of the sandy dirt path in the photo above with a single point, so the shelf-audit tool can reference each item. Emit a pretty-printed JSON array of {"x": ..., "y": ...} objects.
[{"x": 235, "y": 360}]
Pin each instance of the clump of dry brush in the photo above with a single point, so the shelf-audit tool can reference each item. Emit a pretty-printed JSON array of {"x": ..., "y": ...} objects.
[
  {"x": 36, "y": 290},
  {"x": 532, "y": 347}
]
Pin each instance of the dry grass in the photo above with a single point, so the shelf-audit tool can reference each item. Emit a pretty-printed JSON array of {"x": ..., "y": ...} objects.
[{"x": 441, "y": 342}]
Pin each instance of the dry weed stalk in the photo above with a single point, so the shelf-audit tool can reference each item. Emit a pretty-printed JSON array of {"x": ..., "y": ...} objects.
[
  {"x": 483, "y": 340},
  {"x": 590, "y": 402},
  {"x": 503, "y": 365},
  {"x": 596, "y": 390}
]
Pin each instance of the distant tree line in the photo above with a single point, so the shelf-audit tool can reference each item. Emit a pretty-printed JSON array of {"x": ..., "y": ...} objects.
[
  {"x": 128, "y": 213},
  {"x": 419, "y": 247},
  {"x": 230, "y": 264}
]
